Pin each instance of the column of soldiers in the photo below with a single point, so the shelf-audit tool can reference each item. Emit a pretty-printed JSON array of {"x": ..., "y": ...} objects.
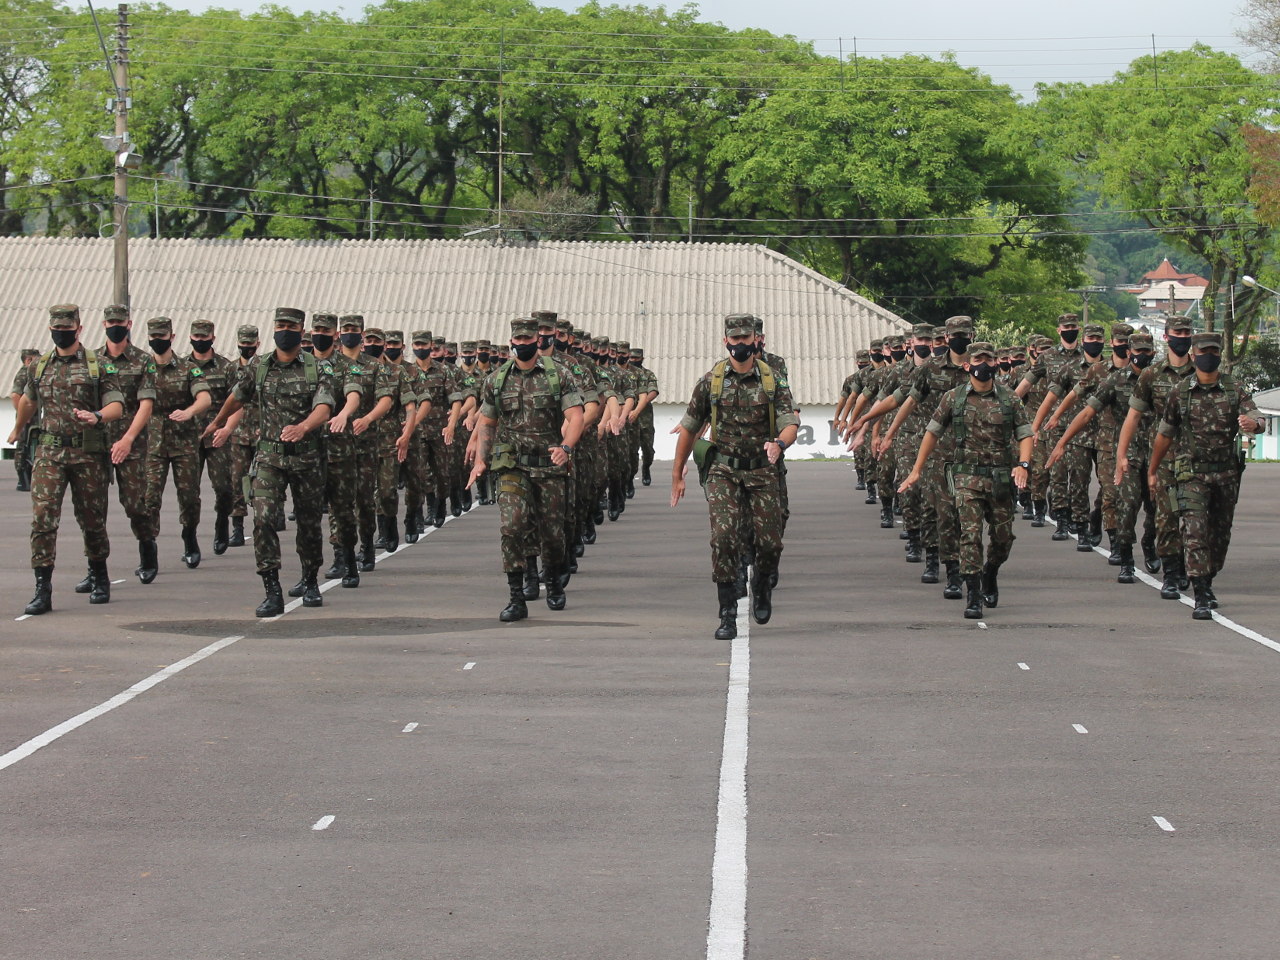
[
  {"x": 334, "y": 415},
  {"x": 1160, "y": 434}
]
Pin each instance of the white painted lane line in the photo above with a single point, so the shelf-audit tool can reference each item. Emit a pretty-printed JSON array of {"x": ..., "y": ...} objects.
[
  {"x": 982, "y": 625},
  {"x": 324, "y": 823},
  {"x": 25, "y": 616},
  {"x": 1023, "y": 666},
  {"x": 1078, "y": 728},
  {"x": 469, "y": 665},
  {"x": 119, "y": 700},
  {"x": 117, "y": 581},
  {"x": 409, "y": 728},
  {"x": 727, "y": 926},
  {"x": 1163, "y": 824}
]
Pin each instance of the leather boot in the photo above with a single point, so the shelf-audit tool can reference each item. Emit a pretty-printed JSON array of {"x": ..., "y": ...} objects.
[
  {"x": 728, "y": 596},
  {"x": 1150, "y": 558},
  {"x": 101, "y": 591},
  {"x": 589, "y": 531},
  {"x": 1041, "y": 508},
  {"x": 871, "y": 492},
  {"x": 339, "y": 566},
  {"x": 1095, "y": 526},
  {"x": 930, "y": 574},
  {"x": 516, "y": 609},
  {"x": 148, "y": 561},
  {"x": 1183, "y": 582},
  {"x": 351, "y": 575},
  {"x": 380, "y": 540},
  {"x": 299, "y": 588},
  {"x": 1208, "y": 589},
  {"x": 190, "y": 548},
  {"x": 761, "y": 598},
  {"x": 1028, "y": 508},
  {"x": 42, "y": 602},
  {"x": 531, "y": 580},
  {"x": 615, "y": 501},
  {"x": 952, "y": 590},
  {"x": 1202, "y": 611},
  {"x": 1063, "y": 519},
  {"x": 437, "y": 515},
  {"x": 1126, "y": 574},
  {"x": 85, "y": 585},
  {"x": 391, "y": 536},
  {"x": 990, "y": 585},
  {"x": 1115, "y": 557},
  {"x": 645, "y": 476},
  {"x": 272, "y": 604},
  {"x": 1169, "y": 589},
  {"x": 455, "y": 502},
  {"x": 897, "y": 507},
  {"x": 556, "y": 583},
  {"x": 914, "y": 554},
  {"x": 886, "y": 513},
  {"x": 973, "y": 606},
  {"x": 1084, "y": 543},
  {"x": 237, "y": 532},
  {"x": 467, "y": 502},
  {"x": 221, "y": 535},
  {"x": 862, "y": 483},
  {"x": 740, "y": 583},
  {"x": 410, "y": 528},
  {"x": 601, "y": 505},
  {"x": 311, "y": 595},
  {"x": 631, "y": 488},
  {"x": 365, "y": 559}
]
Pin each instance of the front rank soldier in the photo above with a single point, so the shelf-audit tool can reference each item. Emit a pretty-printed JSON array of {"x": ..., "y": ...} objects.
[
  {"x": 532, "y": 421},
  {"x": 985, "y": 421},
  {"x": 173, "y": 436},
  {"x": 22, "y": 446},
  {"x": 849, "y": 391},
  {"x": 859, "y": 400},
  {"x": 753, "y": 421},
  {"x": 1048, "y": 365},
  {"x": 1205, "y": 415},
  {"x": 220, "y": 375},
  {"x": 76, "y": 392},
  {"x": 378, "y": 385}
]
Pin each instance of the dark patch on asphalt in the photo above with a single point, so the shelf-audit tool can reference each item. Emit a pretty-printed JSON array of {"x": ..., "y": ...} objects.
[{"x": 301, "y": 627}]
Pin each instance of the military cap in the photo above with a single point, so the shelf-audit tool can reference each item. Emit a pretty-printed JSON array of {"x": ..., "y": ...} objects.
[
  {"x": 247, "y": 333},
  {"x": 420, "y": 336},
  {"x": 1141, "y": 339},
  {"x": 959, "y": 325},
  {"x": 64, "y": 315},
  {"x": 1206, "y": 340},
  {"x": 1042, "y": 341},
  {"x": 1094, "y": 330},
  {"x": 115, "y": 311},
  {"x": 375, "y": 332},
  {"x": 159, "y": 326},
  {"x": 894, "y": 341},
  {"x": 545, "y": 318},
  {"x": 28, "y": 352},
  {"x": 600, "y": 343},
  {"x": 352, "y": 319},
  {"x": 524, "y": 327},
  {"x": 1003, "y": 353},
  {"x": 923, "y": 331},
  {"x": 759, "y": 324},
  {"x": 483, "y": 345},
  {"x": 1177, "y": 323},
  {"x": 202, "y": 328},
  {"x": 468, "y": 346},
  {"x": 437, "y": 340},
  {"x": 877, "y": 343},
  {"x": 1068, "y": 318},
  {"x": 564, "y": 326},
  {"x": 324, "y": 321},
  {"x": 622, "y": 346},
  {"x": 579, "y": 333},
  {"x": 394, "y": 336},
  {"x": 863, "y": 355},
  {"x": 451, "y": 347},
  {"x": 1120, "y": 330},
  {"x": 291, "y": 314},
  {"x": 739, "y": 325},
  {"x": 981, "y": 349},
  {"x": 637, "y": 353}
]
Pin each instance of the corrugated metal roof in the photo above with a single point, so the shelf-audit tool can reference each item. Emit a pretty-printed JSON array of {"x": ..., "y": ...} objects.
[{"x": 668, "y": 297}]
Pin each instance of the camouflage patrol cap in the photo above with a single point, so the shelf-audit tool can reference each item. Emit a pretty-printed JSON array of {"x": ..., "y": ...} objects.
[
  {"x": 159, "y": 327},
  {"x": 374, "y": 332},
  {"x": 1094, "y": 330},
  {"x": 1069, "y": 319},
  {"x": 894, "y": 341},
  {"x": 468, "y": 346},
  {"x": 863, "y": 355},
  {"x": 1206, "y": 340},
  {"x": 579, "y": 334},
  {"x": 247, "y": 333},
  {"x": 524, "y": 327},
  {"x": 324, "y": 321},
  {"x": 564, "y": 326},
  {"x": 960, "y": 324},
  {"x": 451, "y": 347},
  {"x": 877, "y": 344},
  {"x": 1041, "y": 342},
  {"x": 923, "y": 331},
  {"x": 739, "y": 325},
  {"x": 622, "y": 346},
  {"x": 202, "y": 328},
  {"x": 352, "y": 320},
  {"x": 981, "y": 349},
  {"x": 1139, "y": 340},
  {"x": 544, "y": 318},
  {"x": 437, "y": 340},
  {"x": 1002, "y": 353},
  {"x": 1120, "y": 331},
  {"x": 637, "y": 353},
  {"x": 600, "y": 343},
  {"x": 290, "y": 315},
  {"x": 394, "y": 336},
  {"x": 759, "y": 325},
  {"x": 28, "y": 352},
  {"x": 1177, "y": 323},
  {"x": 484, "y": 345},
  {"x": 64, "y": 315},
  {"x": 420, "y": 336},
  {"x": 115, "y": 311}
]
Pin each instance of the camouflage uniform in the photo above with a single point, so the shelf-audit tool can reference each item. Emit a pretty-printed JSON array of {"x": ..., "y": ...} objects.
[
  {"x": 852, "y": 386},
  {"x": 439, "y": 387},
  {"x": 886, "y": 467},
  {"x": 404, "y": 399},
  {"x": 1082, "y": 450},
  {"x": 22, "y": 446},
  {"x": 243, "y": 443},
  {"x": 220, "y": 375},
  {"x": 376, "y": 380},
  {"x": 136, "y": 371},
  {"x": 341, "y": 453},
  {"x": 1037, "y": 388},
  {"x": 644, "y": 423},
  {"x": 625, "y": 383},
  {"x": 919, "y": 517},
  {"x": 1048, "y": 365}
]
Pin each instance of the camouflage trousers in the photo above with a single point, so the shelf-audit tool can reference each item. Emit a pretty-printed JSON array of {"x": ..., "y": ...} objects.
[
  {"x": 632, "y": 433},
  {"x": 532, "y": 517},
  {"x": 1168, "y": 525},
  {"x": 646, "y": 433},
  {"x": 131, "y": 490},
  {"x": 217, "y": 460},
  {"x": 22, "y": 451},
  {"x": 1131, "y": 496},
  {"x": 185, "y": 466},
  {"x": 437, "y": 461},
  {"x": 88, "y": 478},
  {"x": 363, "y": 508},
  {"x": 341, "y": 493},
  {"x": 886, "y": 469},
  {"x": 241, "y": 460},
  {"x": 586, "y": 471},
  {"x": 1081, "y": 461},
  {"x": 979, "y": 501},
  {"x": 1059, "y": 477},
  {"x": 1107, "y": 483},
  {"x": 733, "y": 495},
  {"x": 305, "y": 478},
  {"x": 863, "y": 462},
  {"x": 388, "y": 468},
  {"x": 917, "y": 510},
  {"x": 1206, "y": 508},
  {"x": 413, "y": 473},
  {"x": 945, "y": 512},
  {"x": 1038, "y": 480}
]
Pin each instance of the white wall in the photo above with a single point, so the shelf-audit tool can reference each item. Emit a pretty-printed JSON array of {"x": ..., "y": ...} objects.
[{"x": 814, "y": 440}]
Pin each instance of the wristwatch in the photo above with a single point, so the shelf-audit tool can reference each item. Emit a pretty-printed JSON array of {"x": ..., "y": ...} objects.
[
  {"x": 781, "y": 445},
  {"x": 1023, "y": 464},
  {"x": 98, "y": 415},
  {"x": 567, "y": 449}
]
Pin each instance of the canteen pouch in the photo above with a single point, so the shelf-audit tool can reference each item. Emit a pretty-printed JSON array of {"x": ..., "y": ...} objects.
[
  {"x": 502, "y": 457},
  {"x": 704, "y": 455}
]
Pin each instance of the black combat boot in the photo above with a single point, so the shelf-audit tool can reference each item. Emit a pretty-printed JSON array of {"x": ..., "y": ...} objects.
[
  {"x": 973, "y": 605},
  {"x": 410, "y": 527},
  {"x": 1126, "y": 574},
  {"x": 1150, "y": 559},
  {"x": 1169, "y": 589},
  {"x": 221, "y": 534},
  {"x": 1041, "y": 508},
  {"x": 990, "y": 585},
  {"x": 740, "y": 582},
  {"x": 42, "y": 602},
  {"x": 365, "y": 558},
  {"x": 437, "y": 515},
  {"x": 351, "y": 575},
  {"x": 914, "y": 554},
  {"x": 1208, "y": 589},
  {"x": 1028, "y": 506},
  {"x": 516, "y": 609},
  {"x": 391, "y": 535},
  {"x": 237, "y": 532},
  {"x": 190, "y": 548},
  {"x": 589, "y": 531},
  {"x": 930, "y": 573},
  {"x": 601, "y": 505},
  {"x": 615, "y": 501},
  {"x": 299, "y": 588},
  {"x": 886, "y": 513},
  {"x": 380, "y": 540},
  {"x": 728, "y": 596},
  {"x": 556, "y": 583},
  {"x": 148, "y": 561},
  {"x": 1183, "y": 582},
  {"x": 1202, "y": 611},
  {"x": 101, "y": 591},
  {"x": 631, "y": 488},
  {"x": 339, "y": 565},
  {"x": 531, "y": 579},
  {"x": 1084, "y": 542},
  {"x": 645, "y": 476},
  {"x": 467, "y": 502},
  {"x": 85, "y": 585},
  {"x": 272, "y": 604},
  {"x": 1063, "y": 520},
  {"x": 871, "y": 492},
  {"x": 761, "y": 597},
  {"x": 952, "y": 590},
  {"x": 455, "y": 502},
  {"x": 1115, "y": 558},
  {"x": 1095, "y": 526},
  {"x": 862, "y": 483},
  {"x": 311, "y": 596}
]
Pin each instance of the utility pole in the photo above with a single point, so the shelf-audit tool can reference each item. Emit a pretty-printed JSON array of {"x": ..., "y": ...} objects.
[
  {"x": 120, "y": 70},
  {"x": 502, "y": 152}
]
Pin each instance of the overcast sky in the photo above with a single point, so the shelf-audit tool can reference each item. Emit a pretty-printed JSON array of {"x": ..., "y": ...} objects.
[{"x": 1018, "y": 42}]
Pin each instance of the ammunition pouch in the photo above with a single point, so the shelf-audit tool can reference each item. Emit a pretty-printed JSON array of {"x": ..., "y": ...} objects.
[
  {"x": 502, "y": 457},
  {"x": 704, "y": 455}
]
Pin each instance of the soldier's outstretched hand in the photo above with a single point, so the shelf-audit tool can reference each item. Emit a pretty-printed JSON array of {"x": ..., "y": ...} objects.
[
  {"x": 677, "y": 488},
  {"x": 447, "y": 434},
  {"x": 1055, "y": 454},
  {"x": 120, "y": 450},
  {"x": 912, "y": 479},
  {"x": 402, "y": 448},
  {"x": 220, "y": 436},
  {"x": 476, "y": 472},
  {"x": 1122, "y": 467}
]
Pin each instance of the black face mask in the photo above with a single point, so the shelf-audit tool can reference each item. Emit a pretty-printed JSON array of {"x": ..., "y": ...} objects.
[
  {"x": 482, "y": 357},
  {"x": 922, "y": 350},
  {"x": 1121, "y": 351},
  {"x": 1015, "y": 363},
  {"x": 622, "y": 361},
  {"x": 62, "y": 339},
  {"x": 863, "y": 366},
  {"x": 373, "y": 349},
  {"x": 288, "y": 340},
  {"x": 1092, "y": 348},
  {"x": 451, "y": 360},
  {"x": 525, "y": 351},
  {"x": 351, "y": 340},
  {"x": 1142, "y": 360},
  {"x": 941, "y": 351},
  {"x": 982, "y": 372},
  {"x": 160, "y": 346},
  {"x": 1179, "y": 345},
  {"x": 546, "y": 340},
  {"x": 117, "y": 333},
  {"x": 322, "y": 341},
  {"x": 562, "y": 345},
  {"x": 248, "y": 353},
  {"x": 758, "y": 349},
  {"x": 393, "y": 353},
  {"x": 201, "y": 346},
  {"x": 742, "y": 352},
  {"x": 1003, "y": 365},
  {"x": 422, "y": 352},
  {"x": 958, "y": 344},
  {"x": 1207, "y": 362},
  {"x": 1069, "y": 336},
  {"x": 897, "y": 354},
  {"x": 468, "y": 359}
]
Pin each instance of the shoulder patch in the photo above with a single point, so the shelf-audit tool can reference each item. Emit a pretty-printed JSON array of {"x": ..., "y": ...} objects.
[
  {"x": 326, "y": 367},
  {"x": 357, "y": 370},
  {"x": 782, "y": 382},
  {"x": 108, "y": 368},
  {"x": 197, "y": 371},
  {"x": 151, "y": 366}
]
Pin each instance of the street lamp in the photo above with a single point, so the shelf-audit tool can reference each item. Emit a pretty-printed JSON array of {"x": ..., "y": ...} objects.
[{"x": 1249, "y": 281}]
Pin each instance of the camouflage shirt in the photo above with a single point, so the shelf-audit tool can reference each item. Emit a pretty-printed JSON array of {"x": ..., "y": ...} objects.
[
  {"x": 1152, "y": 389},
  {"x": 137, "y": 370},
  {"x": 528, "y": 412},
  {"x": 20, "y": 380},
  {"x": 742, "y": 422},
  {"x": 177, "y": 383},
  {"x": 1113, "y": 393},
  {"x": 647, "y": 383},
  {"x": 220, "y": 375},
  {"x": 1050, "y": 361},
  {"x": 286, "y": 398},
  {"x": 1069, "y": 376},
  {"x": 933, "y": 379},
  {"x": 1203, "y": 420},
  {"x": 66, "y": 386},
  {"x": 246, "y": 431},
  {"x": 988, "y": 434},
  {"x": 438, "y": 388}
]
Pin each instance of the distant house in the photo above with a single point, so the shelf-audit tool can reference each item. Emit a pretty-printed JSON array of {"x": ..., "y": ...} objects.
[
  {"x": 1266, "y": 445},
  {"x": 1167, "y": 290}
]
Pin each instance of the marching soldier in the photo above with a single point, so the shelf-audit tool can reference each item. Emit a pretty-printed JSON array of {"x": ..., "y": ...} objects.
[
  {"x": 437, "y": 414},
  {"x": 76, "y": 392},
  {"x": 379, "y": 386},
  {"x": 220, "y": 375},
  {"x": 22, "y": 447},
  {"x": 643, "y": 416},
  {"x": 239, "y": 435},
  {"x": 849, "y": 390},
  {"x": 1048, "y": 365},
  {"x": 395, "y": 431}
]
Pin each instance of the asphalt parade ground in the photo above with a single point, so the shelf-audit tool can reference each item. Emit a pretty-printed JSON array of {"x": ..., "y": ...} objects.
[{"x": 1086, "y": 773}]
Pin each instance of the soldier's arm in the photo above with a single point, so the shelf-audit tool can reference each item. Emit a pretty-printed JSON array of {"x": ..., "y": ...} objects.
[
  {"x": 570, "y": 434},
  {"x": 684, "y": 447},
  {"x": 379, "y": 411},
  {"x": 879, "y": 409},
  {"x": 1158, "y": 449},
  {"x": 233, "y": 404},
  {"x": 926, "y": 448},
  {"x": 1041, "y": 413},
  {"x": 202, "y": 402},
  {"x": 424, "y": 410},
  {"x": 1066, "y": 403},
  {"x": 478, "y": 448},
  {"x": 25, "y": 409},
  {"x": 297, "y": 431},
  {"x": 908, "y": 405},
  {"x": 222, "y": 434},
  {"x": 121, "y": 449}
]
